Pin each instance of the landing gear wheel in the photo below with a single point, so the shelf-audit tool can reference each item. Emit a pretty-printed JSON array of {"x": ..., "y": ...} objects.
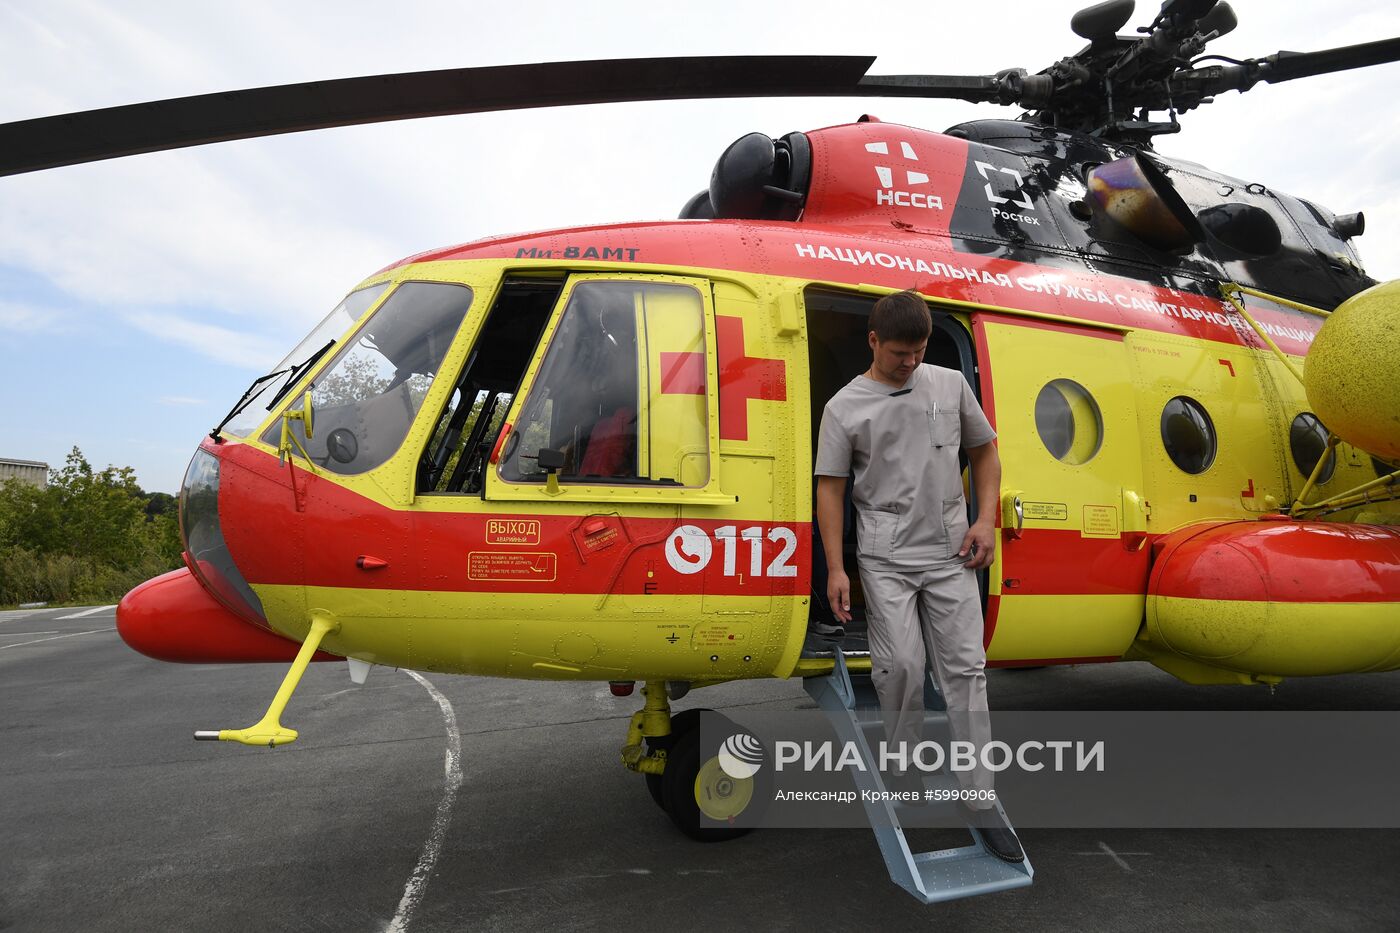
[
  {"x": 654, "y": 788},
  {"x": 682, "y": 722},
  {"x": 695, "y": 784}
]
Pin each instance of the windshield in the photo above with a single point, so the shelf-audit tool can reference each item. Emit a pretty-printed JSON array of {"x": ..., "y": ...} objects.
[
  {"x": 365, "y": 400},
  {"x": 261, "y": 397}
]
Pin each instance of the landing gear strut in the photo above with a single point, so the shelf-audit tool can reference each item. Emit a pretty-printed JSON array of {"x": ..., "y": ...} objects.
[{"x": 681, "y": 776}]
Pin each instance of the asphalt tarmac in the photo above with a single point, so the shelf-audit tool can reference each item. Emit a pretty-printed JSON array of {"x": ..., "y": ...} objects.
[{"x": 112, "y": 818}]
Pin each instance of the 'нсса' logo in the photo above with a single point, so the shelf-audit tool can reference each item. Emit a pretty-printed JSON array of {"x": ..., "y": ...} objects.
[{"x": 741, "y": 756}]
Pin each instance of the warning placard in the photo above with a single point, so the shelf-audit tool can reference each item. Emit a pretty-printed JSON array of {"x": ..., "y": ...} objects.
[
  {"x": 717, "y": 634},
  {"x": 522, "y": 566},
  {"x": 1045, "y": 511},
  {"x": 1100, "y": 521}
]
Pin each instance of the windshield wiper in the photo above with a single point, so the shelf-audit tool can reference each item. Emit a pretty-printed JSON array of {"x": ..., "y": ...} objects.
[
  {"x": 242, "y": 403},
  {"x": 297, "y": 370},
  {"x": 253, "y": 390}
]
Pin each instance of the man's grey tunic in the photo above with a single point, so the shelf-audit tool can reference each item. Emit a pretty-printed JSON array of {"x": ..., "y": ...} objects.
[{"x": 901, "y": 446}]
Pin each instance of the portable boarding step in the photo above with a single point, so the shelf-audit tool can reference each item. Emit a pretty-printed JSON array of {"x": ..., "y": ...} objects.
[{"x": 940, "y": 875}]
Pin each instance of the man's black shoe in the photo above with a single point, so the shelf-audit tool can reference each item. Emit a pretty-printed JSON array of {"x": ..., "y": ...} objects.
[{"x": 996, "y": 834}]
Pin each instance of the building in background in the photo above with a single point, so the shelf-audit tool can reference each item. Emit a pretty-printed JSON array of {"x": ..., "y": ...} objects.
[{"x": 30, "y": 471}]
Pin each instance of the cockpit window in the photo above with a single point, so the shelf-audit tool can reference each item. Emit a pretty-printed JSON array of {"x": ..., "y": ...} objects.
[
  {"x": 364, "y": 402},
  {"x": 342, "y": 317},
  {"x": 456, "y": 457},
  {"x": 621, "y": 393}
]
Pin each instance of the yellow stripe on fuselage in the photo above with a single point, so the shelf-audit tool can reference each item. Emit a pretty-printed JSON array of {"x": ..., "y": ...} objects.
[
  {"x": 1047, "y": 623},
  {"x": 553, "y": 636}
]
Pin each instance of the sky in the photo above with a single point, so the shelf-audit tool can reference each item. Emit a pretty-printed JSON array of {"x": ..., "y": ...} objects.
[{"x": 140, "y": 296}]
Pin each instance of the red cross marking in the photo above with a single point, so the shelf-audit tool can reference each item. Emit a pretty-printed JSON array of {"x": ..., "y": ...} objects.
[
  {"x": 741, "y": 378},
  {"x": 682, "y": 373}
]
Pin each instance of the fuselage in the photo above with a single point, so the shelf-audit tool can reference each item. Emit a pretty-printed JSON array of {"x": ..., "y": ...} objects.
[{"x": 1131, "y": 404}]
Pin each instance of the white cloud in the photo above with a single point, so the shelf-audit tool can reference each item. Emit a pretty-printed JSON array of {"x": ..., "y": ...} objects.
[
  {"x": 30, "y": 318},
  {"x": 220, "y": 343},
  {"x": 173, "y": 229}
]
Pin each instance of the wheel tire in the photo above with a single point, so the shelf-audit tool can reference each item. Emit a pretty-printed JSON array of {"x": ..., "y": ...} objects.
[
  {"x": 682, "y": 722},
  {"x": 692, "y": 773},
  {"x": 654, "y": 787}
]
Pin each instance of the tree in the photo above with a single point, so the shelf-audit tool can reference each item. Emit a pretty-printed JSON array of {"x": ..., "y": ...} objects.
[
  {"x": 88, "y": 534},
  {"x": 160, "y": 503}
]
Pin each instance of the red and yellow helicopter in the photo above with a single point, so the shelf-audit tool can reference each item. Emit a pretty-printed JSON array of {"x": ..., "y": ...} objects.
[{"x": 586, "y": 454}]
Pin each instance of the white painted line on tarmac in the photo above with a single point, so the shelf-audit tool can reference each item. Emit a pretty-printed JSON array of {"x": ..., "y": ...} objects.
[
  {"x": 56, "y": 638},
  {"x": 452, "y": 766},
  {"x": 14, "y": 615},
  {"x": 24, "y": 634},
  {"x": 85, "y": 614},
  {"x": 1116, "y": 856}
]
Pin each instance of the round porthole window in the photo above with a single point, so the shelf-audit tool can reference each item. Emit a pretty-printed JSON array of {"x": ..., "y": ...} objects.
[
  {"x": 1068, "y": 421},
  {"x": 1188, "y": 435},
  {"x": 1307, "y": 439}
]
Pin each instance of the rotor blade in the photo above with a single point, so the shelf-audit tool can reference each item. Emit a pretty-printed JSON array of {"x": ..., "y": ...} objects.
[
  {"x": 1285, "y": 66},
  {"x": 1190, "y": 88},
  {"x": 48, "y": 142},
  {"x": 978, "y": 89},
  {"x": 191, "y": 121}
]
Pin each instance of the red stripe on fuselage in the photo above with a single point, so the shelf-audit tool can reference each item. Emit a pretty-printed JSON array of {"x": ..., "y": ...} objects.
[
  {"x": 598, "y": 552},
  {"x": 1062, "y": 562}
]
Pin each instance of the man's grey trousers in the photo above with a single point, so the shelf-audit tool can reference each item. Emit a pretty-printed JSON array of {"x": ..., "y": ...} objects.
[{"x": 938, "y": 608}]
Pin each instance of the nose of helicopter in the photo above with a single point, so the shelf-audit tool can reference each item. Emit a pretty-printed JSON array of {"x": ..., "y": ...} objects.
[
  {"x": 174, "y": 618},
  {"x": 204, "y": 612}
]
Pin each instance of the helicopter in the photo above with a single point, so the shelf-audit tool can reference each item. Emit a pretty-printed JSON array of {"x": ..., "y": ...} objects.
[{"x": 418, "y": 483}]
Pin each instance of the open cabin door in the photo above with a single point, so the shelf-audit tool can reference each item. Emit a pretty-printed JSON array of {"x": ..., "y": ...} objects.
[{"x": 1070, "y": 577}]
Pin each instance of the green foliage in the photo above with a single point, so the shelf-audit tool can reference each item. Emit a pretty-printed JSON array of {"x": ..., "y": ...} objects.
[
  {"x": 91, "y": 535},
  {"x": 354, "y": 379}
]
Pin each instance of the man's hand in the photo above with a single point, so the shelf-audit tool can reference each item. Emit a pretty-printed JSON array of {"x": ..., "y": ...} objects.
[
  {"x": 838, "y": 594},
  {"x": 978, "y": 545},
  {"x": 980, "y": 541},
  {"x": 831, "y": 492}
]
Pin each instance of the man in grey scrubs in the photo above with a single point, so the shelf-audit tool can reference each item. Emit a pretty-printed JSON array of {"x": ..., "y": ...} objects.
[{"x": 897, "y": 429}]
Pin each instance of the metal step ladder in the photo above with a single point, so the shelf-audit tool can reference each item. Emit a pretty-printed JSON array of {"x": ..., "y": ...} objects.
[{"x": 939, "y": 875}]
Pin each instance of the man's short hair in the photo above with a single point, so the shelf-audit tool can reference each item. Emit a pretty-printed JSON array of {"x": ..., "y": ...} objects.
[{"x": 902, "y": 317}]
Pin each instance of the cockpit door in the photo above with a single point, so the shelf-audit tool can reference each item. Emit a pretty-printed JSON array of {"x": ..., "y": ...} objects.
[{"x": 621, "y": 405}]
